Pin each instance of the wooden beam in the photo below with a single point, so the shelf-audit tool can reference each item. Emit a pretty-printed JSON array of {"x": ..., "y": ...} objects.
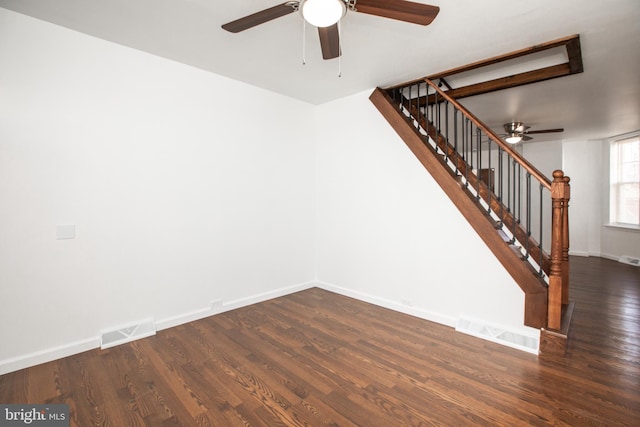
[
  {"x": 528, "y": 77},
  {"x": 572, "y": 66},
  {"x": 574, "y": 52},
  {"x": 509, "y": 56}
]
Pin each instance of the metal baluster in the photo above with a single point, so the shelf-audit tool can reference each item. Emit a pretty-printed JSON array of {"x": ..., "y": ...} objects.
[
  {"x": 469, "y": 148},
  {"x": 425, "y": 113},
  {"x": 408, "y": 101},
  {"x": 509, "y": 183},
  {"x": 514, "y": 201},
  {"x": 489, "y": 176},
  {"x": 434, "y": 118},
  {"x": 501, "y": 183},
  {"x": 465, "y": 148},
  {"x": 519, "y": 193},
  {"x": 540, "y": 270},
  {"x": 410, "y": 111},
  {"x": 446, "y": 131},
  {"x": 430, "y": 115},
  {"x": 438, "y": 107},
  {"x": 479, "y": 165},
  {"x": 455, "y": 136},
  {"x": 528, "y": 220},
  {"x": 418, "y": 112}
]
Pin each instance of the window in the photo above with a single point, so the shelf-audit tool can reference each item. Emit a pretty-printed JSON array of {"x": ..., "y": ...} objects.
[{"x": 624, "y": 206}]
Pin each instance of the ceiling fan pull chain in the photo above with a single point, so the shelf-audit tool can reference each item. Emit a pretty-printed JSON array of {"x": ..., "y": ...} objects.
[
  {"x": 304, "y": 43},
  {"x": 340, "y": 49}
]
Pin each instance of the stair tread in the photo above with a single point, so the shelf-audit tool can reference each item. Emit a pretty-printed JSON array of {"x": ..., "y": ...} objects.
[{"x": 504, "y": 235}]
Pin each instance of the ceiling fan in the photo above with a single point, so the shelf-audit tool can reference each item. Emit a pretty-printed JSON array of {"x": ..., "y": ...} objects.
[
  {"x": 325, "y": 15},
  {"x": 517, "y": 131}
]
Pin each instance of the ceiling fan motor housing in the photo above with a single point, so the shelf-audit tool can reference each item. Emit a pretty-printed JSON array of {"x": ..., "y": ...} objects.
[
  {"x": 515, "y": 127},
  {"x": 322, "y": 13}
]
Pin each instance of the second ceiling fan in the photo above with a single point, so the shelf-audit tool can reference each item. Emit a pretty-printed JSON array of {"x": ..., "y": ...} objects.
[
  {"x": 518, "y": 131},
  {"x": 325, "y": 15}
]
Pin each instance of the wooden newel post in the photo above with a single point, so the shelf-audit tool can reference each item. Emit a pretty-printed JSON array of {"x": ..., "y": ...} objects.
[
  {"x": 558, "y": 201},
  {"x": 565, "y": 241}
]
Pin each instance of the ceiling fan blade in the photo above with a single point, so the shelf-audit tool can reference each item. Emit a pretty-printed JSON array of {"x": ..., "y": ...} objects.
[
  {"x": 544, "y": 131},
  {"x": 401, "y": 10},
  {"x": 259, "y": 17},
  {"x": 526, "y": 138},
  {"x": 329, "y": 41}
]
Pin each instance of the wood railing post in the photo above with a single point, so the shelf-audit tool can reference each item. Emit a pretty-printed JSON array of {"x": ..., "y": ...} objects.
[
  {"x": 565, "y": 241},
  {"x": 558, "y": 200}
]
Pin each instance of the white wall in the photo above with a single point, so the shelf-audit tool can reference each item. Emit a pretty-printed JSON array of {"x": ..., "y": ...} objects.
[
  {"x": 587, "y": 163},
  {"x": 184, "y": 187},
  {"x": 388, "y": 234},
  {"x": 583, "y": 163}
]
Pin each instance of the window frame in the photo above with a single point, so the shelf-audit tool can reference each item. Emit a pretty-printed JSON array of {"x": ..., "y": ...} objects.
[{"x": 615, "y": 181}]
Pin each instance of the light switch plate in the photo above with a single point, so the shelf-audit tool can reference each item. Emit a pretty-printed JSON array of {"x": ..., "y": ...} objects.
[{"x": 65, "y": 232}]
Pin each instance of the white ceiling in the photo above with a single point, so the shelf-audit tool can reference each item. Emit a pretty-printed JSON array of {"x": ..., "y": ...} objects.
[{"x": 601, "y": 102}]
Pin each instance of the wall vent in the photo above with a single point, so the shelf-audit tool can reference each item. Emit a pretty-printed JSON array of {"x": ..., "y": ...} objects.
[
  {"x": 124, "y": 334},
  {"x": 516, "y": 339},
  {"x": 630, "y": 260}
]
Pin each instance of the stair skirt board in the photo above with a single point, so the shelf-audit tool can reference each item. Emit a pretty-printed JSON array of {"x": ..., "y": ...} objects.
[{"x": 521, "y": 340}]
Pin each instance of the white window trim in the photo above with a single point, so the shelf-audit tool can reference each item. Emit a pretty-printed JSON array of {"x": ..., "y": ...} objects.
[{"x": 623, "y": 226}]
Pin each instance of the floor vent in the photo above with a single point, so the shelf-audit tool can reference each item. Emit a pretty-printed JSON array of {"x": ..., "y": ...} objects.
[
  {"x": 630, "y": 260},
  {"x": 121, "y": 335},
  {"x": 516, "y": 339}
]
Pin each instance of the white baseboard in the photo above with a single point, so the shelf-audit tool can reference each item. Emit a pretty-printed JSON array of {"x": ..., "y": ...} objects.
[
  {"x": 392, "y": 305},
  {"x": 580, "y": 253},
  {"x": 611, "y": 257},
  {"x": 47, "y": 355},
  {"x": 50, "y": 354},
  {"x": 183, "y": 318},
  {"x": 192, "y": 316},
  {"x": 254, "y": 299},
  {"x": 525, "y": 339}
]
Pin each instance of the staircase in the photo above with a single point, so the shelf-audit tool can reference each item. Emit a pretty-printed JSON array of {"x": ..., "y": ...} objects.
[{"x": 520, "y": 214}]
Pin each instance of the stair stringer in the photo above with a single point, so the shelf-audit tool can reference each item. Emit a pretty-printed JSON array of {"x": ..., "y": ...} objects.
[{"x": 535, "y": 313}]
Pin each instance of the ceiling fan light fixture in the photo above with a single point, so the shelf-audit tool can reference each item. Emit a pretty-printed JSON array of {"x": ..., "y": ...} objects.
[
  {"x": 322, "y": 13},
  {"x": 513, "y": 138}
]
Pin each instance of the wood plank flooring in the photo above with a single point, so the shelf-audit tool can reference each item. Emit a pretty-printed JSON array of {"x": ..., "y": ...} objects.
[{"x": 319, "y": 359}]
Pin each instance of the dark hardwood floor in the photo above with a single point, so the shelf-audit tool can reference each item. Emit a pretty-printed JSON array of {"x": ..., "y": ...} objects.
[{"x": 317, "y": 358}]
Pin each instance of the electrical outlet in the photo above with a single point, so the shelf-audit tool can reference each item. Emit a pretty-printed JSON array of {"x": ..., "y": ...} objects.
[{"x": 406, "y": 301}]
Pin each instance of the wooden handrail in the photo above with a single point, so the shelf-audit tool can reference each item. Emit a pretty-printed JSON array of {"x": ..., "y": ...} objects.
[{"x": 506, "y": 147}]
